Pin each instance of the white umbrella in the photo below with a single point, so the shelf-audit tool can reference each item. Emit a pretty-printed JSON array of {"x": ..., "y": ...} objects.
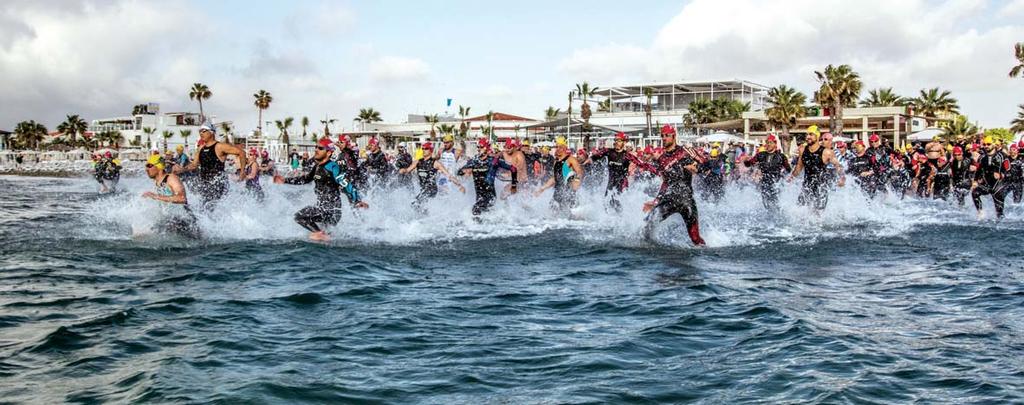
[
  {"x": 841, "y": 139},
  {"x": 925, "y": 134},
  {"x": 721, "y": 137}
]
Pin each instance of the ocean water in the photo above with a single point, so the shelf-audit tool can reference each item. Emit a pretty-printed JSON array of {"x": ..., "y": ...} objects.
[{"x": 871, "y": 302}]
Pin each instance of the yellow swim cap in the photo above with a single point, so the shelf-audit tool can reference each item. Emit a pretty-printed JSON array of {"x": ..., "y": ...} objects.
[
  {"x": 989, "y": 139},
  {"x": 714, "y": 152},
  {"x": 716, "y": 145},
  {"x": 560, "y": 141},
  {"x": 545, "y": 149},
  {"x": 949, "y": 148},
  {"x": 180, "y": 148},
  {"x": 419, "y": 154},
  {"x": 526, "y": 142},
  {"x": 156, "y": 160},
  {"x": 813, "y": 129},
  {"x": 449, "y": 138}
]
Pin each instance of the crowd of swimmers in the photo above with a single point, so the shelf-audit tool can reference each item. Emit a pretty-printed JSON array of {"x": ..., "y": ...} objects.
[{"x": 672, "y": 174}]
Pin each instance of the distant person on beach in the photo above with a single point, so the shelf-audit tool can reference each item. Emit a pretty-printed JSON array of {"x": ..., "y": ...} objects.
[
  {"x": 211, "y": 179},
  {"x": 178, "y": 217},
  {"x": 329, "y": 180}
]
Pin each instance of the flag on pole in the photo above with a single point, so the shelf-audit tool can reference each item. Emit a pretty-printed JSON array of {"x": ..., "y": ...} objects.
[{"x": 449, "y": 102}]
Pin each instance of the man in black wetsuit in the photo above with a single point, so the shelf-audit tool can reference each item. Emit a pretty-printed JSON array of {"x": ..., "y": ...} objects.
[
  {"x": 814, "y": 160},
  {"x": 348, "y": 159},
  {"x": 881, "y": 162},
  {"x": 376, "y": 165},
  {"x": 566, "y": 179},
  {"x": 402, "y": 161},
  {"x": 942, "y": 178},
  {"x": 989, "y": 179},
  {"x": 676, "y": 166},
  {"x": 618, "y": 170},
  {"x": 329, "y": 181},
  {"x": 861, "y": 167},
  {"x": 962, "y": 170},
  {"x": 426, "y": 171},
  {"x": 108, "y": 172},
  {"x": 484, "y": 168},
  {"x": 1015, "y": 177},
  {"x": 771, "y": 166},
  {"x": 211, "y": 183},
  {"x": 712, "y": 173}
]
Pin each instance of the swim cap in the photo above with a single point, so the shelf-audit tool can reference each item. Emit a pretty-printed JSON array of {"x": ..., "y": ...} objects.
[
  {"x": 428, "y": 146},
  {"x": 714, "y": 152},
  {"x": 323, "y": 142},
  {"x": 483, "y": 143},
  {"x": 761, "y": 149},
  {"x": 949, "y": 148},
  {"x": 510, "y": 143},
  {"x": 826, "y": 136},
  {"x": 373, "y": 141},
  {"x": 621, "y": 136},
  {"x": 668, "y": 130},
  {"x": 264, "y": 153},
  {"x": 771, "y": 138},
  {"x": 648, "y": 150},
  {"x": 1014, "y": 147},
  {"x": 449, "y": 138},
  {"x": 560, "y": 141},
  {"x": 716, "y": 145},
  {"x": 525, "y": 142},
  {"x": 108, "y": 154},
  {"x": 180, "y": 148},
  {"x": 343, "y": 139},
  {"x": 942, "y": 158},
  {"x": 157, "y": 161},
  {"x": 842, "y": 145},
  {"x": 859, "y": 143},
  {"x": 988, "y": 139},
  {"x": 545, "y": 149},
  {"x": 957, "y": 150},
  {"x": 975, "y": 146},
  {"x": 874, "y": 138},
  {"x": 813, "y": 129},
  {"x": 208, "y": 126}
]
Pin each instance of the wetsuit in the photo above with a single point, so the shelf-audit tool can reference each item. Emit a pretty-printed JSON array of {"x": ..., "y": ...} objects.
[
  {"x": 1015, "y": 178},
  {"x": 427, "y": 173},
  {"x": 618, "y": 174},
  {"x": 988, "y": 166},
  {"x": 860, "y": 164},
  {"x": 349, "y": 161},
  {"x": 942, "y": 180},
  {"x": 815, "y": 187},
  {"x": 922, "y": 171},
  {"x": 563, "y": 198},
  {"x": 773, "y": 166},
  {"x": 329, "y": 181},
  {"x": 108, "y": 173},
  {"x": 713, "y": 171},
  {"x": 402, "y": 161},
  {"x": 211, "y": 182},
  {"x": 881, "y": 165},
  {"x": 531, "y": 158},
  {"x": 960, "y": 170},
  {"x": 252, "y": 186},
  {"x": 676, "y": 193},
  {"x": 182, "y": 222},
  {"x": 547, "y": 164},
  {"x": 377, "y": 168},
  {"x": 484, "y": 170}
]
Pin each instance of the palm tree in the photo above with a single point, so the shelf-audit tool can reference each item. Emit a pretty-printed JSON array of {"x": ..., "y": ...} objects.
[
  {"x": 605, "y": 106},
  {"x": 552, "y": 113},
  {"x": 934, "y": 101},
  {"x": 200, "y": 92},
  {"x": 225, "y": 128},
  {"x": 167, "y": 135},
  {"x": 1018, "y": 52},
  {"x": 73, "y": 126},
  {"x": 649, "y": 97},
  {"x": 263, "y": 100},
  {"x": 111, "y": 138},
  {"x": 446, "y": 129},
  {"x": 368, "y": 115},
  {"x": 1017, "y": 125},
  {"x": 149, "y": 135},
  {"x": 959, "y": 126},
  {"x": 283, "y": 127},
  {"x": 490, "y": 125},
  {"x": 882, "y": 97},
  {"x": 463, "y": 127},
  {"x": 185, "y": 134},
  {"x": 432, "y": 120},
  {"x": 840, "y": 88},
  {"x": 787, "y": 105},
  {"x": 305, "y": 123},
  {"x": 584, "y": 90},
  {"x": 327, "y": 122},
  {"x": 30, "y": 133},
  {"x": 698, "y": 112}
]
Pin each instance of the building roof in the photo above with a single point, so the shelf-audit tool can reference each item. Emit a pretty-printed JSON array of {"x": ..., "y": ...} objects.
[
  {"x": 680, "y": 88},
  {"x": 498, "y": 116}
]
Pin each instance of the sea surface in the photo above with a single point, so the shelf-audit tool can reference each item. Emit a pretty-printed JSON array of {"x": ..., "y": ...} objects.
[{"x": 871, "y": 302}]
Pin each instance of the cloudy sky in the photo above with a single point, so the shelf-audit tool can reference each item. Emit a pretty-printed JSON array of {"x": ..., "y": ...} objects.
[{"x": 329, "y": 58}]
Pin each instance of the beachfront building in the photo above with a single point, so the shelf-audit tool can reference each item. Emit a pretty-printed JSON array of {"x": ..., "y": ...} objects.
[
  {"x": 625, "y": 106},
  {"x": 417, "y": 130},
  {"x": 183, "y": 127},
  {"x": 5, "y": 139}
]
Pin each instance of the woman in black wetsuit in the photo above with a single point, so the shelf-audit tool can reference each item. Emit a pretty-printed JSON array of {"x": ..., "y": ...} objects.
[{"x": 212, "y": 182}]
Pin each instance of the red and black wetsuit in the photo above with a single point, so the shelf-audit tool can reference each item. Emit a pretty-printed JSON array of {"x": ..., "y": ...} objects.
[
  {"x": 988, "y": 166},
  {"x": 676, "y": 193}
]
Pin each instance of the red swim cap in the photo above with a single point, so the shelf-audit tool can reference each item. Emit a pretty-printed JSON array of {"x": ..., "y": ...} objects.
[{"x": 668, "y": 130}]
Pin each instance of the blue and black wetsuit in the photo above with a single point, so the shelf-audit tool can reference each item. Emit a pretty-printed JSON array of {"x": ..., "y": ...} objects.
[
  {"x": 563, "y": 196},
  {"x": 484, "y": 170},
  {"x": 329, "y": 181}
]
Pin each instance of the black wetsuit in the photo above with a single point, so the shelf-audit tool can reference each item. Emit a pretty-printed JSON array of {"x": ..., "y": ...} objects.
[
  {"x": 815, "y": 187},
  {"x": 376, "y": 168},
  {"x": 563, "y": 198},
  {"x": 547, "y": 164},
  {"x": 921, "y": 173},
  {"x": 989, "y": 165},
  {"x": 962, "y": 177},
  {"x": 108, "y": 173},
  {"x": 881, "y": 165},
  {"x": 1015, "y": 178},
  {"x": 484, "y": 170},
  {"x": 349, "y": 161},
  {"x": 773, "y": 166},
  {"x": 860, "y": 164},
  {"x": 427, "y": 174},
  {"x": 713, "y": 176},
  {"x": 402, "y": 161},
  {"x": 942, "y": 180},
  {"x": 329, "y": 181},
  {"x": 618, "y": 174},
  {"x": 676, "y": 193},
  {"x": 212, "y": 181},
  {"x": 530, "y": 158}
]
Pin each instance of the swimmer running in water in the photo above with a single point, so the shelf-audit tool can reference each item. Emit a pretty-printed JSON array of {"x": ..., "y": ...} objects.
[
  {"x": 566, "y": 179},
  {"x": 212, "y": 182},
  {"x": 170, "y": 190},
  {"x": 618, "y": 170},
  {"x": 676, "y": 166},
  {"x": 814, "y": 160},
  {"x": 484, "y": 168},
  {"x": 329, "y": 181},
  {"x": 426, "y": 169}
]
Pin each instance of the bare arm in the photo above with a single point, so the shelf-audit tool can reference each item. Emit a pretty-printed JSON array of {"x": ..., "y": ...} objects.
[
  {"x": 415, "y": 162},
  {"x": 226, "y": 149},
  {"x": 177, "y": 191},
  {"x": 578, "y": 179},
  {"x": 440, "y": 168}
]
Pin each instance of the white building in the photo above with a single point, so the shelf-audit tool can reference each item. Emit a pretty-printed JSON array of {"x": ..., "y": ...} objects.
[
  {"x": 417, "y": 130},
  {"x": 669, "y": 101},
  {"x": 183, "y": 127}
]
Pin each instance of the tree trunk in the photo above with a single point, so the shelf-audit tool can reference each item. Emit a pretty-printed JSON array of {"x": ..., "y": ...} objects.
[
  {"x": 202, "y": 117},
  {"x": 259, "y": 124},
  {"x": 785, "y": 138},
  {"x": 838, "y": 116}
]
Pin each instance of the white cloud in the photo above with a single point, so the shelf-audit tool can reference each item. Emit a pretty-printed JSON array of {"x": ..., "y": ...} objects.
[
  {"x": 388, "y": 69},
  {"x": 1014, "y": 8},
  {"x": 908, "y": 44}
]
